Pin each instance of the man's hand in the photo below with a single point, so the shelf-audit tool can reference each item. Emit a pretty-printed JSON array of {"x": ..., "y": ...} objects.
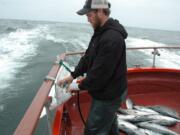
[
  {"x": 73, "y": 87},
  {"x": 66, "y": 80}
]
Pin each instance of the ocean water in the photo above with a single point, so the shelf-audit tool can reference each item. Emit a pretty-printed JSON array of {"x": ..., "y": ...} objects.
[{"x": 29, "y": 48}]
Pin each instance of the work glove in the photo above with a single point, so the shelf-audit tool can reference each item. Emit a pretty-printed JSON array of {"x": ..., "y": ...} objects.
[
  {"x": 73, "y": 87},
  {"x": 65, "y": 81}
]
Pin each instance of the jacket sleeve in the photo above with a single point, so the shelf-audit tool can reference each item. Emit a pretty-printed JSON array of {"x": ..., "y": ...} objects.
[
  {"x": 104, "y": 65},
  {"x": 81, "y": 68}
]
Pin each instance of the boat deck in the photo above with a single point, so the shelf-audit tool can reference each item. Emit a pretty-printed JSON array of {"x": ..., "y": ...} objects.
[{"x": 171, "y": 100}]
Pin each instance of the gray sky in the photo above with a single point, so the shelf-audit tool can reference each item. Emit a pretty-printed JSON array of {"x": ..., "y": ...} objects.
[{"x": 159, "y": 14}]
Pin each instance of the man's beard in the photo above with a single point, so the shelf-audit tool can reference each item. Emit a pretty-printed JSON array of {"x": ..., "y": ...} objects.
[{"x": 97, "y": 23}]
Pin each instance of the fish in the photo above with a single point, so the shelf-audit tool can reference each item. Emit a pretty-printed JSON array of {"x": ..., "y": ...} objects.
[
  {"x": 165, "y": 111},
  {"x": 148, "y": 120},
  {"x": 126, "y": 117},
  {"x": 164, "y": 122},
  {"x": 145, "y": 109},
  {"x": 149, "y": 132},
  {"x": 155, "y": 118},
  {"x": 134, "y": 112},
  {"x": 129, "y": 103},
  {"x": 135, "y": 118},
  {"x": 129, "y": 128},
  {"x": 160, "y": 118},
  {"x": 156, "y": 128}
]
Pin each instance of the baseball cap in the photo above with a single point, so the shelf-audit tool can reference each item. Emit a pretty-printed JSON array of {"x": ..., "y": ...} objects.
[{"x": 93, "y": 4}]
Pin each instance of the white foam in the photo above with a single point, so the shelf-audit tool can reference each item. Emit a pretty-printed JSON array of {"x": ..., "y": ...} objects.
[
  {"x": 167, "y": 58},
  {"x": 15, "y": 48},
  {"x": 138, "y": 42},
  {"x": 54, "y": 39},
  {"x": 77, "y": 42}
]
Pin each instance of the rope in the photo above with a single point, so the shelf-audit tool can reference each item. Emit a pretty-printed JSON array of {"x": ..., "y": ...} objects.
[{"x": 61, "y": 63}]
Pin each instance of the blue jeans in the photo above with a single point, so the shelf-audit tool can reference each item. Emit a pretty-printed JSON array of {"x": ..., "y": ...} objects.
[{"x": 102, "y": 119}]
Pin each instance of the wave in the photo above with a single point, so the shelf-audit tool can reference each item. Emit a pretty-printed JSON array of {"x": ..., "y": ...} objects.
[
  {"x": 141, "y": 42},
  {"x": 77, "y": 43},
  {"x": 16, "y": 47},
  {"x": 10, "y": 29},
  {"x": 54, "y": 39},
  {"x": 167, "y": 58},
  {"x": 7, "y": 30}
]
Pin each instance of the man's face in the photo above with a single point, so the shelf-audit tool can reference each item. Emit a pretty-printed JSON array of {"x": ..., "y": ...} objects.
[{"x": 93, "y": 19}]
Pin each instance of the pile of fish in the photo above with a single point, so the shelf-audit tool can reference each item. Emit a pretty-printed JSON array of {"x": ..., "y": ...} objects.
[{"x": 146, "y": 120}]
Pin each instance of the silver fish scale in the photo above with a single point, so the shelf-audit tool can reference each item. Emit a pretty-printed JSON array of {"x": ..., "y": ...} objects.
[
  {"x": 157, "y": 128},
  {"x": 165, "y": 111},
  {"x": 129, "y": 128},
  {"x": 145, "y": 109},
  {"x": 149, "y": 132},
  {"x": 163, "y": 122},
  {"x": 134, "y": 112}
]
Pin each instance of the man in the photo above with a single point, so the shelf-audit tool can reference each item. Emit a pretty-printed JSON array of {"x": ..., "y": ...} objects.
[{"x": 105, "y": 64}]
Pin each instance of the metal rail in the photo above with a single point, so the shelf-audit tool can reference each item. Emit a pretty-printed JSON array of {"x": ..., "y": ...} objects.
[
  {"x": 131, "y": 48},
  {"x": 154, "y": 47},
  {"x": 155, "y": 52},
  {"x": 30, "y": 120}
]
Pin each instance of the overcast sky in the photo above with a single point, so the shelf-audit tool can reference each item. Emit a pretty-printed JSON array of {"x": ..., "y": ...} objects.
[{"x": 158, "y": 14}]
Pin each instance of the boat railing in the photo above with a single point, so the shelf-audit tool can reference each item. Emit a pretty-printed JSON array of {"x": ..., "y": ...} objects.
[
  {"x": 30, "y": 120},
  {"x": 155, "y": 52}
]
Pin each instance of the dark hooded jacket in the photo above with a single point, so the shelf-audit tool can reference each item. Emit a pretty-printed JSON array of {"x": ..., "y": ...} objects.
[{"x": 105, "y": 62}]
